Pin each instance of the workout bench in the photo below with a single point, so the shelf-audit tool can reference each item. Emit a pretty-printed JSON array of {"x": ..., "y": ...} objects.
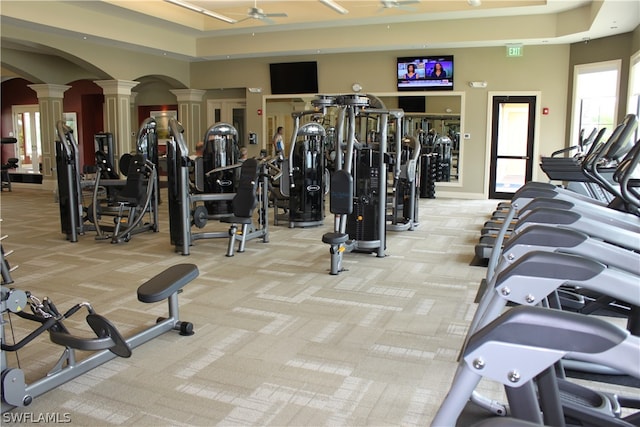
[{"x": 108, "y": 342}]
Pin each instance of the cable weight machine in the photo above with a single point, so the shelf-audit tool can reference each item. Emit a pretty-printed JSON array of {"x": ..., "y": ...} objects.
[
  {"x": 359, "y": 222},
  {"x": 308, "y": 177}
]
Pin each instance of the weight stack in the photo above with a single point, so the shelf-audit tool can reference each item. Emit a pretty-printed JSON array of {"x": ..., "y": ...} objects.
[
  {"x": 444, "y": 171},
  {"x": 429, "y": 175},
  {"x": 362, "y": 223}
]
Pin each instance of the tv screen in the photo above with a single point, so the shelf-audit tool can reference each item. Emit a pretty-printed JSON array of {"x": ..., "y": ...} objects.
[
  {"x": 425, "y": 73},
  {"x": 412, "y": 104},
  {"x": 294, "y": 77}
]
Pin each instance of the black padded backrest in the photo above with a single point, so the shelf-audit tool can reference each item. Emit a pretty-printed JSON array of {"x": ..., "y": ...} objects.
[
  {"x": 244, "y": 202},
  {"x": 134, "y": 191},
  {"x": 106, "y": 168},
  {"x": 341, "y": 194}
]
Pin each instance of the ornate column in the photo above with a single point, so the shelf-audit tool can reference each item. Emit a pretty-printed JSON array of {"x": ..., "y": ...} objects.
[
  {"x": 50, "y": 97},
  {"x": 134, "y": 113},
  {"x": 117, "y": 101},
  {"x": 190, "y": 114}
]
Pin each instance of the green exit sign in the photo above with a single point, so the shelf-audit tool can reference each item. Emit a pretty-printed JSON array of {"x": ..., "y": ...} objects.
[{"x": 514, "y": 50}]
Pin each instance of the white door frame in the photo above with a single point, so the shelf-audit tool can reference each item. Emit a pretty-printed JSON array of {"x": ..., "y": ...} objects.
[
  {"x": 33, "y": 138},
  {"x": 226, "y": 107}
]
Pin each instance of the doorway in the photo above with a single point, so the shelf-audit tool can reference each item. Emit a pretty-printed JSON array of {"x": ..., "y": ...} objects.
[
  {"x": 26, "y": 129},
  {"x": 512, "y": 144},
  {"x": 229, "y": 111}
]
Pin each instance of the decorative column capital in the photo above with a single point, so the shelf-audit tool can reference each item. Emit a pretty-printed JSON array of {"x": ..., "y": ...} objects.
[
  {"x": 49, "y": 90},
  {"x": 188, "y": 95},
  {"x": 116, "y": 87}
]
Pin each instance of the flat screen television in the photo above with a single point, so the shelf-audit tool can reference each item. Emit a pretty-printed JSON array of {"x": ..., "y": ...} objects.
[
  {"x": 433, "y": 72},
  {"x": 294, "y": 77},
  {"x": 412, "y": 104}
]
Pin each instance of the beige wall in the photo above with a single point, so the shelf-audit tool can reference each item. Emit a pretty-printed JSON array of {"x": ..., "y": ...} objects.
[{"x": 542, "y": 69}]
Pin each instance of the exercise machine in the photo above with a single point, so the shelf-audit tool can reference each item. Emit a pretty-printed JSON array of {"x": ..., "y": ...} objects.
[
  {"x": 132, "y": 204},
  {"x": 405, "y": 187},
  {"x": 308, "y": 176},
  {"x": 519, "y": 350},
  {"x": 359, "y": 208},
  {"x": 557, "y": 261},
  {"x": 619, "y": 148},
  {"x": 147, "y": 145},
  {"x": 73, "y": 215},
  {"x": 219, "y": 171},
  {"x": 189, "y": 203},
  {"x": 12, "y": 163},
  {"x": 107, "y": 343}
]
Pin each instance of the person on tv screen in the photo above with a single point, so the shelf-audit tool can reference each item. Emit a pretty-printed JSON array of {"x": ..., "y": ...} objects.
[
  {"x": 438, "y": 72},
  {"x": 411, "y": 72}
]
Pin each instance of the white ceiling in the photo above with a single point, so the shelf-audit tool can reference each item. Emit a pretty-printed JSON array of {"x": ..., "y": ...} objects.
[{"x": 310, "y": 27}]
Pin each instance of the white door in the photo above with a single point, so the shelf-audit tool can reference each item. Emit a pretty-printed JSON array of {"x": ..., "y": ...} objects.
[
  {"x": 231, "y": 111},
  {"x": 26, "y": 129}
]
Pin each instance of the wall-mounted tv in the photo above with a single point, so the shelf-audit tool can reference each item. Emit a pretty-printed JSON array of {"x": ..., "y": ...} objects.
[
  {"x": 294, "y": 77},
  {"x": 425, "y": 73},
  {"x": 412, "y": 104}
]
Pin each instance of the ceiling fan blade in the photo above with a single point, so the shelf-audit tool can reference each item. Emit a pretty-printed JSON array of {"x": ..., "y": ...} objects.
[
  {"x": 394, "y": 4},
  {"x": 276, "y": 15}
]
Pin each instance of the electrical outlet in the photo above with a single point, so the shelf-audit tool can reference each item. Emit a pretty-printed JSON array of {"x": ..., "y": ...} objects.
[{"x": 467, "y": 136}]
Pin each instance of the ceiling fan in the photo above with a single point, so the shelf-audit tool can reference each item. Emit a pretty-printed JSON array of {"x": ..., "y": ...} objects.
[
  {"x": 399, "y": 4},
  {"x": 256, "y": 13}
]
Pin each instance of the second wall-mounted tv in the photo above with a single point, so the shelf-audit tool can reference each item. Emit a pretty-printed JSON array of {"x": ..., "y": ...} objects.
[
  {"x": 294, "y": 77},
  {"x": 433, "y": 72}
]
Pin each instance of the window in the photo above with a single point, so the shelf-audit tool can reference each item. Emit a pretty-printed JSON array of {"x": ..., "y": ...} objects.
[
  {"x": 595, "y": 97},
  {"x": 633, "y": 106}
]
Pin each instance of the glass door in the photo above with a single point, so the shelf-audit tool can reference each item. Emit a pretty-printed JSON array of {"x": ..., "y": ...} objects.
[
  {"x": 26, "y": 128},
  {"x": 512, "y": 137}
]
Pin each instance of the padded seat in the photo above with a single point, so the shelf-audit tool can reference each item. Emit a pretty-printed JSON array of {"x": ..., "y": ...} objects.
[
  {"x": 334, "y": 238},
  {"x": 232, "y": 219},
  {"x": 166, "y": 283}
]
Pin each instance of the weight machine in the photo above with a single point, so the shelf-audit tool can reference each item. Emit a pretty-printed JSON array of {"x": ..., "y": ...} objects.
[
  {"x": 360, "y": 209},
  {"x": 132, "y": 204},
  {"x": 220, "y": 159},
  {"x": 127, "y": 202},
  {"x": 308, "y": 177},
  {"x": 189, "y": 203},
  {"x": 406, "y": 183},
  {"x": 72, "y": 211}
]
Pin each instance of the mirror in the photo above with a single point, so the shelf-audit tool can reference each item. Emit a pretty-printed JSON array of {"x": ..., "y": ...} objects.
[{"x": 434, "y": 118}]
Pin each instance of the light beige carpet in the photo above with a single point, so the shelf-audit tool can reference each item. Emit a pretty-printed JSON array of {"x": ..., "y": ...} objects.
[{"x": 278, "y": 340}]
